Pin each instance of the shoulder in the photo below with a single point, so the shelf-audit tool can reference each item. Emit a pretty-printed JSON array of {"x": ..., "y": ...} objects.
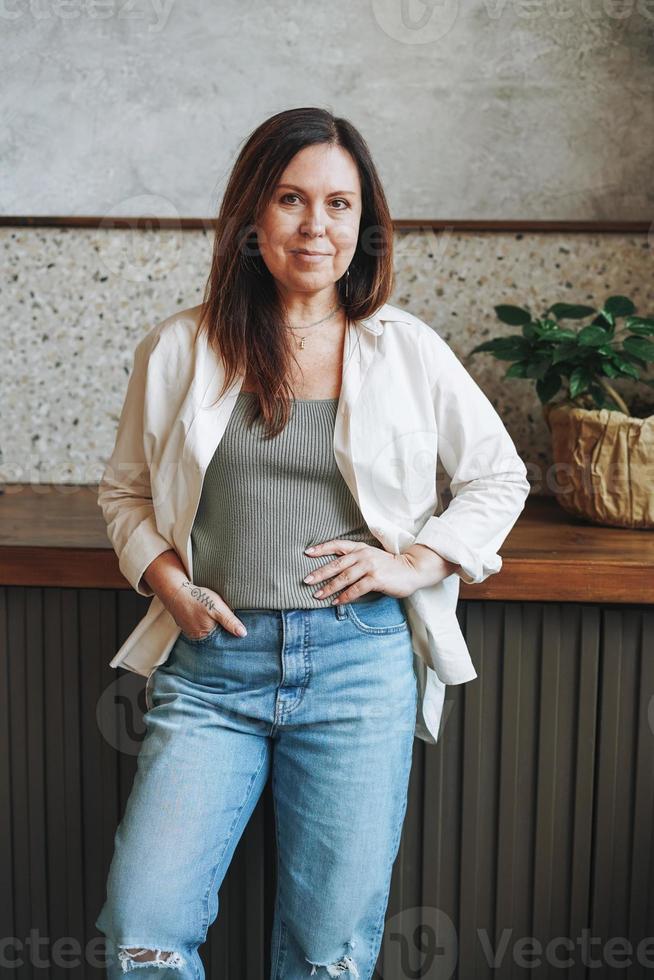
[
  {"x": 174, "y": 333},
  {"x": 409, "y": 331}
]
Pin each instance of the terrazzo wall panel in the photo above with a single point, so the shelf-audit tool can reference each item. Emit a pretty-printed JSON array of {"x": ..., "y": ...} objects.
[{"x": 76, "y": 302}]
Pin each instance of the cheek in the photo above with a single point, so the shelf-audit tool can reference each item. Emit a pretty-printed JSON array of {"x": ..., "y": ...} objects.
[
  {"x": 346, "y": 234},
  {"x": 274, "y": 232}
]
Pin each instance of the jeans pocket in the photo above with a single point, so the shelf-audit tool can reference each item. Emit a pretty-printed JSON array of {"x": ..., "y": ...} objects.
[
  {"x": 148, "y": 690},
  {"x": 201, "y": 639},
  {"x": 378, "y": 617}
]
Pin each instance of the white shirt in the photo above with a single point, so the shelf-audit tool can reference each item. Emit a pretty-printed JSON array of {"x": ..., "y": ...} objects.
[{"x": 406, "y": 401}]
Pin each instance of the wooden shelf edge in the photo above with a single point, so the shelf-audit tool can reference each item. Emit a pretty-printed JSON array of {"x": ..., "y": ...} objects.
[{"x": 522, "y": 580}]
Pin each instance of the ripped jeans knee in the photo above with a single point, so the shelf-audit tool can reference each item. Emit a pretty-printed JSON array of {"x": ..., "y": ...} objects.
[
  {"x": 133, "y": 957},
  {"x": 344, "y": 965}
]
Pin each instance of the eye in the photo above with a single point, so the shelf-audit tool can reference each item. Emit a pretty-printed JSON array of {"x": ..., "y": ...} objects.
[{"x": 284, "y": 199}]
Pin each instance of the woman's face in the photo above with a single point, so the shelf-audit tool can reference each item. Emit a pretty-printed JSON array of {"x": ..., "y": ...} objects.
[{"x": 315, "y": 207}]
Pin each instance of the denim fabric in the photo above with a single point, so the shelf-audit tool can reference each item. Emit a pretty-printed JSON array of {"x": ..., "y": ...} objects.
[{"x": 323, "y": 701}]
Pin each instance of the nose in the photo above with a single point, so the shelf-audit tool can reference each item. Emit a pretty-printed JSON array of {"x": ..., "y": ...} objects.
[{"x": 313, "y": 224}]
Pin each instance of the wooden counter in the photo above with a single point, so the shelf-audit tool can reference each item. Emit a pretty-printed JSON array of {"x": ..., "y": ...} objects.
[{"x": 54, "y": 535}]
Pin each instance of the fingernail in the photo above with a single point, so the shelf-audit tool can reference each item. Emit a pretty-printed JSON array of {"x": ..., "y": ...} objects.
[
  {"x": 241, "y": 630},
  {"x": 308, "y": 551}
]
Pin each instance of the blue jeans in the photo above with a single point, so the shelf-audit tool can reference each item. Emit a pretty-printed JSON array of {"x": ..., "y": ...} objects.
[{"x": 325, "y": 700}]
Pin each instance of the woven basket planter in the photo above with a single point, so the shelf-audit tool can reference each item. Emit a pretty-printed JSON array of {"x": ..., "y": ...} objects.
[{"x": 604, "y": 464}]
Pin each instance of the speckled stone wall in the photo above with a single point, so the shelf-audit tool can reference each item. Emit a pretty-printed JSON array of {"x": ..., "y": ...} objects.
[{"x": 76, "y": 303}]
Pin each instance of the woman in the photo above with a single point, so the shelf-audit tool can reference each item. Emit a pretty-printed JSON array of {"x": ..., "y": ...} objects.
[{"x": 264, "y": 657}]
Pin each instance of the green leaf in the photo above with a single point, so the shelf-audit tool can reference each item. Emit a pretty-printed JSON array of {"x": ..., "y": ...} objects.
[
  {"x": 538, "y": 367},
  {"x": 548, "y": 386},
  {"x": 610, "y": 370},
  {"x": 599, "y": 395},
  {"x": 619, "y": 306},
  {"x": 639, "y": 321},
  {"x": 579, "y": 381},
  {"x": 550, "y": 330},
  {"x": 640, "y": 329},
  {"x": 632, "y": 359},
  {"x": 565, "y": 368},
  {"x": 602, "y": 321},
  {"x": 516, "y": 370},
  {"x": 640, "y": 347},
  {"x": 563, "y": 352},
  {"x": 514, "y": 348},
  {"x": 515, "y": 316},
  {"x": 626, "y": 367},
  {"x": 592, "y": 336},
  {"x": 570, "y": 311},
  {"x": 487, "y": 345}
]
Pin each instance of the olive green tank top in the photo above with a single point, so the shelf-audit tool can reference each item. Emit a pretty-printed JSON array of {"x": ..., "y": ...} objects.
[{"x": 264, "y": 501}]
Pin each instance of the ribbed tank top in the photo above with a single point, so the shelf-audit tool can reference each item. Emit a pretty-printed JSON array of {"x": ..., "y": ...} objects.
[{"x": 264, "y": 501}]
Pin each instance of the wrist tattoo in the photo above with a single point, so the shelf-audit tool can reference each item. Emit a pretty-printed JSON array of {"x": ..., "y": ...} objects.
[{"x": 197, "y": 592}]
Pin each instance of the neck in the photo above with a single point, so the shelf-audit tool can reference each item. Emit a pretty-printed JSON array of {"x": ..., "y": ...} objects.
[{"x": 303, "y": 309}]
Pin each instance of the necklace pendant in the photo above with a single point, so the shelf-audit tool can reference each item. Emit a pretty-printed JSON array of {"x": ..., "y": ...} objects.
[{"x": 301, "y": 344}]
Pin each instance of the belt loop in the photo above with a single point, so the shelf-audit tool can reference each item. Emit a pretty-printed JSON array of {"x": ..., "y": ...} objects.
[{"x": 340, "y": 610}]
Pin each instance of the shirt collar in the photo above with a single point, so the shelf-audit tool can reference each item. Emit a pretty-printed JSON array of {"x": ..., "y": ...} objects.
[{"x": 375, "y": 322}]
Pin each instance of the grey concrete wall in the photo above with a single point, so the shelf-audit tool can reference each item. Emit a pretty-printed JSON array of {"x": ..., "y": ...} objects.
[{"x": 489, "y": 109}]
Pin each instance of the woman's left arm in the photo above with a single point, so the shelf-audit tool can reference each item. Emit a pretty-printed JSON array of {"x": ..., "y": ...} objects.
[{"x": 489, "y": 483}]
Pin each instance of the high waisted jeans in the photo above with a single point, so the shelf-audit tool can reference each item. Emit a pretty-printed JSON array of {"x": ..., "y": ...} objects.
[{"x": 323, "y": 699}]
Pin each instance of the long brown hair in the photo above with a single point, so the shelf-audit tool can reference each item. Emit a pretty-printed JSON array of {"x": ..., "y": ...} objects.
[{"x": 243, "y": 315}]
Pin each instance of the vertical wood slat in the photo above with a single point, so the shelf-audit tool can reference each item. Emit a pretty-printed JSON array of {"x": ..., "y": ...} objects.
[
  {"x": 71, "y": 889},
  {"x": 532, "y": 816},
  {"x": 641, "y": 908},
  {"x": 584, "y": 752},
  {"x": 16, "y": 655},
  {"x": 476, "y": 815},
  {"x": 515, "y": 785},
  {"x": 8, "y": 925},
  {"x": 34, "y": 700},
  {"x": 56, "y": 796}
]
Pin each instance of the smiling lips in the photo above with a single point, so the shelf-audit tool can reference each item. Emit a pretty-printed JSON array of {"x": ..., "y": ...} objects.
[{"x": 310, "y": 256}]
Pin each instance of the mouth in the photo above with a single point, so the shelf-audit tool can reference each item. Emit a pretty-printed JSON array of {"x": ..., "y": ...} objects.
[{"x": 309, "y": 259}]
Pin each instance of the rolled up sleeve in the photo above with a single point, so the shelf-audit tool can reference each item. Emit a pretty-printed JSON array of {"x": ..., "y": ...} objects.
[{"x": 488, "y": 479}]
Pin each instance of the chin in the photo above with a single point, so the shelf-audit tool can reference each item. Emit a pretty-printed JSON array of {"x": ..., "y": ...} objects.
[{"x": 310, "y": 280}]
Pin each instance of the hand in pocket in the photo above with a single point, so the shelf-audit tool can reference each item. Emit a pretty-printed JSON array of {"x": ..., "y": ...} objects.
[{"x": 196, "y": 610}]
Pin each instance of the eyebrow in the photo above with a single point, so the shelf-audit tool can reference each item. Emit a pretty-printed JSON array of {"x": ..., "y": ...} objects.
[{"x": 331, "y": 193}]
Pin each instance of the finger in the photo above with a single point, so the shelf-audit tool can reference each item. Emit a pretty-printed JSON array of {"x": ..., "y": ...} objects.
[
  {"x": 334, "y": 547},
  {"x": 235, "y": 626},
  {"x": 228, "y": 619},
  {"x": 344, "y": 580},
  {"x": 331, "y": 568},
  {"x": 361, "y": 587}
]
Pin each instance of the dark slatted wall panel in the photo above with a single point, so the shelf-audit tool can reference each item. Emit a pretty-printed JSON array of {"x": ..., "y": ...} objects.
[{"x": 532, "y": 818}]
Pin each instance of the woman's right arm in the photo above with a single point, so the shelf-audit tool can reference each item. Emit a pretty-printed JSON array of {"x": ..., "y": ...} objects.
[
  {"x": 124, "y": 491},
  {"x": 165, "y": 576},
  {"x": 146, "y": 558}
]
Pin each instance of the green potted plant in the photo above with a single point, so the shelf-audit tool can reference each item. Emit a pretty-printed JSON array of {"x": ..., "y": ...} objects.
[{"x": 603, "y": 443}]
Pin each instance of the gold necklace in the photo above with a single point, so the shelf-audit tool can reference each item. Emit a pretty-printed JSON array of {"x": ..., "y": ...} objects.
[{"x": 300, "y": 346}]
